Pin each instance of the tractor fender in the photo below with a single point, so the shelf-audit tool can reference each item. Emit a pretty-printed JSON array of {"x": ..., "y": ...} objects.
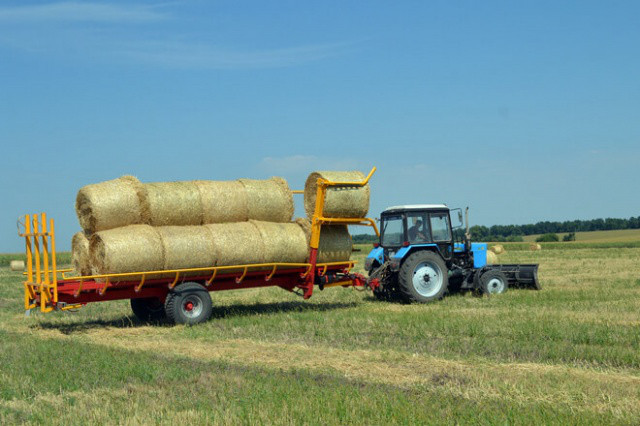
[{"x": 396, "y": 261}]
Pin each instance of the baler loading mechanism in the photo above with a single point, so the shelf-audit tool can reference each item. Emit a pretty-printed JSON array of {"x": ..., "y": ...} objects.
[{"x": 180, "y": 294}]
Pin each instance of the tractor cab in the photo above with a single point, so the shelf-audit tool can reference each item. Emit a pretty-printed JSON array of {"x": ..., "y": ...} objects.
[{"x": 417, "y": 225}]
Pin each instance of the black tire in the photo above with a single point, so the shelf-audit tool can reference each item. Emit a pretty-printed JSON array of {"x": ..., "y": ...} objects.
[
  {"x": 431, "y": 282},
  {"x": 188, "y": 303},
  {"x": 148, "y": 309},
  {"x": 493, "y": 282}
]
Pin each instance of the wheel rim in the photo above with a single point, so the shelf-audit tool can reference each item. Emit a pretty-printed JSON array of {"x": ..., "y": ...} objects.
[
  {"x": 427, "y": 279},
  {"x": 192, "y": 306},
  {"x": 495, "y": 286}
]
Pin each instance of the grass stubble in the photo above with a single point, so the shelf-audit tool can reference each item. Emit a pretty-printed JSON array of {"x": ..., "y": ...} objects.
[{"x": 567, "y": 354}]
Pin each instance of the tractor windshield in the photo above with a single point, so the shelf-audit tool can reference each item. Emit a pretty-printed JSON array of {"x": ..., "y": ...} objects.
[{"x": 392, "y": 231}]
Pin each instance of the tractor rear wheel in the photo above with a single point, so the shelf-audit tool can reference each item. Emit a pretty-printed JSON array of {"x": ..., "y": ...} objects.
[
  {"x": 188, "y": 303},
  {"x": 423, "y": 277},
  {"x": 493, "y": 282},
  {"x": 148, "y": 309}
]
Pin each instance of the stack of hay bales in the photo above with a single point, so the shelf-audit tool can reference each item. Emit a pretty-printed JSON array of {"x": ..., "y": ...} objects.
[{"x": 129, "y": 226}]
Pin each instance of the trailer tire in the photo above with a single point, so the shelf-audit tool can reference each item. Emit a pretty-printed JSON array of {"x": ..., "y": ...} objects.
[
  {"x": 148, "y": 309},
  {"x": 493, "y": 282},
  {"x": 188, "y": 303},
  {"x": 423, "y": 277}
]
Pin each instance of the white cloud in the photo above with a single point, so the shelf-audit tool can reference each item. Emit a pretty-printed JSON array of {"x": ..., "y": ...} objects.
[{"x": 79, "y": 12}]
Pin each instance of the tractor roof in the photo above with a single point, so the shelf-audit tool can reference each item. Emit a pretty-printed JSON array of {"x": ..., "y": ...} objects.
[{"x": 408, "y": 207}]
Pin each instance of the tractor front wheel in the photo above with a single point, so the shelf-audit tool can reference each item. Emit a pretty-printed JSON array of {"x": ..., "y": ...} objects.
[
  {"x": 493, "y": 282},
  {"x": 423, "y": 277}
]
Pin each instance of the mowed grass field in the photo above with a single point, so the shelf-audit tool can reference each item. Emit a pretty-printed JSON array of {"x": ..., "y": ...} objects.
[
  {"x": 622, "y": 235},
  {"x": 569, "y": 354}
]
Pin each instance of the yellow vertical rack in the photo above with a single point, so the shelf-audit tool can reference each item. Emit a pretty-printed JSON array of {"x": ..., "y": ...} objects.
[{"x": 41, "y": 283}]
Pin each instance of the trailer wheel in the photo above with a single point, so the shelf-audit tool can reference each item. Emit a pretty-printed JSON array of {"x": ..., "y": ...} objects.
[
  {"x": 493, "y": 282},
  {"x": 148, "y": 309},
  {"x": 423, "y": 277},
  {"x": 188, "y": 303}
]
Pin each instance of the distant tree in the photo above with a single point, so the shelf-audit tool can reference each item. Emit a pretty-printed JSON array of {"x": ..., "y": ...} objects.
[
  {"x": 571, "y": 236},
  {"x": 548, "y": 238},
  {"x": 514, "y": 239}
]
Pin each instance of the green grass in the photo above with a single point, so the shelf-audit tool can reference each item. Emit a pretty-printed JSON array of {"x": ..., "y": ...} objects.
[
  {"x": 619, "y": 236},
  {"x": 567, "y": 354}
]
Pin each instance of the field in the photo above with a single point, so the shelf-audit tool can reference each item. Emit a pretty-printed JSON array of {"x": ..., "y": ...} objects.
[
  {"x": 622, "y": 235},
  {"x": 567, "y": 354}
]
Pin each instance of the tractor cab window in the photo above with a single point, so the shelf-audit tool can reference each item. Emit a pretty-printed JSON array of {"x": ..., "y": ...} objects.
[
  {"x": 417, "y": 228},
  {"x": 392, "y": 231},
  {"x": 440, "y": 229}
]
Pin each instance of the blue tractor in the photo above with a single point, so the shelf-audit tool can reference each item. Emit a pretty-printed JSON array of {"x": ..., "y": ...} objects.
[{"x": 418, "y": 260}]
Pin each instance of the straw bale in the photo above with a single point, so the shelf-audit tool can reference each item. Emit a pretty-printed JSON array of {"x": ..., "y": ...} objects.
[
  {"x": 349, "y": 202},
  {"x": 17, "y": 265},
  {"x": 109, "y": 204},
  {"x": 80, "y": 257},
  {"x": 268, "y": 200},
  {"x": 172, "y": 204},
  {"x": 492, "y": 258},
  {"x": 223, "y": 201},
  {"x": 236, "y": 243},
  {"x": 335, "y": 244},
  {"x": 305, "y": 225},
  {"x": 497, "y": 249},
  {"x": 186, "y": 247},
  {"x": 131, "y": 248},
  {"x": 535, "y": 247},
  {"x": 283, "y": 242}
]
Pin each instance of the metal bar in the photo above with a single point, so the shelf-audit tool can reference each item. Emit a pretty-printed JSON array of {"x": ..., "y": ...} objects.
[
  {"x": 273, "y": 271},
  {"x": 139, "y": 287},
  {"x": 45, "y": 248},
  {"x": 213, "y": 276},
  {"x": 54, "y": 262},
  {"x": 173, "y": 284},
  {"x": 298, "y": 191},
  {"x": 77, "y": 293},
  {"x": 36, "y": 245},
  {"x": 239, "y": 280},
  {"x": 103, "y": 289}
]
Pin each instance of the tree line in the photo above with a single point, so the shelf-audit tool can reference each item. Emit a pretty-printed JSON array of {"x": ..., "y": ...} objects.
[{"x": 516, "y": 232}]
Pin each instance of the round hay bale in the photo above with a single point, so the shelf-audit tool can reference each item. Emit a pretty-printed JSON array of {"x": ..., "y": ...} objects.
[
  {"x": 535, "y": 247},
  {"x": 283, "y": 242},
  {"x": 339, "y": 201},
  {"x": 237, "y": 243},
  {"x": 109, "y": 204},
  {"x": 305, "y": 225},
  {"x": 186, "y": 247},
  {"x": 172, "y": 204},
  {"x": 80, "y": 256},
  {"x": 268, "y": 200},
  {"x": 497, "y": 249},
  {"x": 223, "y": 201},
  {"x": 335, "y": 244},
  {"x": 131, "y": 248},
  {"x": 16, "y": 265},
  {"x": 492, "y": 258}
]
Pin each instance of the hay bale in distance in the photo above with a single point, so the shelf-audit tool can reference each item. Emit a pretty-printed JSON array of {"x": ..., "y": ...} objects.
[
  {"x": 268, "y": 200},
  {"x": 535, "y": 247},
  {"x": 172, "y": 204},
  {"x": 339, "y": 201},
  {"x": 223, "y": 201},
  {"x": 283, "y": 242},
  {"x": 186, "y": 247},
  {"x": 80, "y": 256},
  {"x": 132, "y": 248},
  {"x": 497, "y": 249},
  {"x": 335, "y": 244},
  {"x": 109, "y": 204},
  {"x": 16, "y": 265},
  {"x": 237, "y": 243},
  {"x": 492, "y": 258}
]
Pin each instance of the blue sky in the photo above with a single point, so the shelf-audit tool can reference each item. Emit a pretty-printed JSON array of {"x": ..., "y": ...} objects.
[{"x": 525, "y": 111}]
